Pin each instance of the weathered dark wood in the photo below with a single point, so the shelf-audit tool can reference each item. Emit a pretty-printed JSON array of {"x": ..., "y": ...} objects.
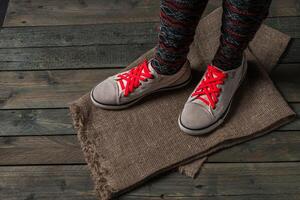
[
  {"x": 275, "y": 147},
  {"x": 36, "y": 122},
  {"x": 229, "y": 197},
  {"x": 40, "y": 150},
  {"x": 287, "y": 25},
  {"x": 216, "y": 181},
  {"x": 47, "y": 89},
  {"x": 291, "y": 54},
  {"x": 93, "y": 56},
  {"x": 97, "y": 46},
  {"x": 287, "y": 80},
  {"x": 230, "y": 179},
  {"x": 3, "y": 9},
  {"x": 101, "y": 34},
  {"x": 46, "y": 182},
  {"x": 64, "y": 12},
  {"x": 58, "y": 122},
  {"x": 90, "y": 56},
  {"x": 295, "y": 125},
  {"x": 106, "y": 34},
  {"x": 57, "y": 88}
]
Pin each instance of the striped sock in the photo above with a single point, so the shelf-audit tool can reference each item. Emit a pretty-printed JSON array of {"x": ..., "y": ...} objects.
[
  {"x": 240, "y": 21},
  {"x": 178, "y": 21}
]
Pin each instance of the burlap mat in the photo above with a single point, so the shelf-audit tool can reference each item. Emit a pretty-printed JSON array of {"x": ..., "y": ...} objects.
[{"x": 125, "y": 148}]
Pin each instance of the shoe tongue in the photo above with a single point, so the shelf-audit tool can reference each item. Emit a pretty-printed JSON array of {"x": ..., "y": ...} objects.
[{"x": 119, "y": 87}]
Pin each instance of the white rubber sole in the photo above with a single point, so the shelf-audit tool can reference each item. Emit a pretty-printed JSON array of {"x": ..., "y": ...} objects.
[
  {"x": 202, "y": 131},
  {"x": 131, "y": 103}
]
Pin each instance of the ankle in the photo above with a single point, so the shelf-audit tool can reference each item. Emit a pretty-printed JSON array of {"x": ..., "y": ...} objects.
[
  {"x": 166, "y": 69},
  {"x": 227, "y": 64}
]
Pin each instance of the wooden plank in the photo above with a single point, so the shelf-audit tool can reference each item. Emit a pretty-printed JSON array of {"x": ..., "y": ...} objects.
[
  {"x": 229, "y": 197},
  {"x": 96, "y": 46},
  {"x": 291, "y": 54},
  {"x": 76, "y": 35},
  {"x": 56, "y": 88},
  {"x": 276, "y": 147},
  {"x": 288, "y": 82},
  {"x": 107, "y": 34},
  {"x": 3, "y": 9},
  {"x": 47, "y": 89},
  {"x": 287, "y": 25},
  {"x": 295, "y": 125},
  {"x": 46, "y": 182},
  {"x": 93, "y": 56},
  {"x": 40, "y": 150},
  {"x": 229, "y": 179},
  {"x": 216, "y": 181},
  {"x": 64, "y": 12},
  {"x": 36, "y": 122},
  {"x": 58, "y": 122}
]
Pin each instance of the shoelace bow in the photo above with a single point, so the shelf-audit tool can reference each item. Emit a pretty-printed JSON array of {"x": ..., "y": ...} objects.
[
  {"x": 209, "y": 86},
  {"x": 132, "y": 79}
]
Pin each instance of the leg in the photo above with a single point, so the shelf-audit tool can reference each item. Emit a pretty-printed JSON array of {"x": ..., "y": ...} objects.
[
  {"x": 240, "y": 21},
  {"x": 178, "y": 21},
  {"x": 167, "y": 70},
  {"x": 209, "y": 104}
]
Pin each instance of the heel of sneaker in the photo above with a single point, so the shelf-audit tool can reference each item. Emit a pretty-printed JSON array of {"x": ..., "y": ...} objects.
[{"x": 186, "y": 77}]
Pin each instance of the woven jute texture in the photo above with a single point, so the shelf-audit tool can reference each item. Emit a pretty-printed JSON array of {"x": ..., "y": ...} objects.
[{"x": 127, "y": 147}]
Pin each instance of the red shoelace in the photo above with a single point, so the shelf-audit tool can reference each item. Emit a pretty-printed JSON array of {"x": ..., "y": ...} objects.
[
  {"x": 132, "y": 79},
  {"x": 209, "y": 86}
]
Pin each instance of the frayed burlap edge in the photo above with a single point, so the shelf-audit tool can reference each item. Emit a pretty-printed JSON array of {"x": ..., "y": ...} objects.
[{"x": 99, "y": 173}]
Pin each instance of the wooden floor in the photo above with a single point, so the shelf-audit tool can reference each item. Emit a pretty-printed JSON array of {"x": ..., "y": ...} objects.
[{"x": 52, "y": 52}]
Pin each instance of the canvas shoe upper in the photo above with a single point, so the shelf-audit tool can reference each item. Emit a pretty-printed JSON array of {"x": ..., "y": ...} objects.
[
  {"x": 209, "y": 103},
  {"x": 126, "y": 88}
]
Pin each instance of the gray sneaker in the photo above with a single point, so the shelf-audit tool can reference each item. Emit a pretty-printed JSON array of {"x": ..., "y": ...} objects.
[
  {"x": 125, "y": 89},
  {"x": 210, "y": 102}
]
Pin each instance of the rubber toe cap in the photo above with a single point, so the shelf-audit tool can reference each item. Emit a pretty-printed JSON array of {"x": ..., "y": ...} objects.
[
  {"x": 105, "y": 92},
  {"x": 195, "y": 116}
]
